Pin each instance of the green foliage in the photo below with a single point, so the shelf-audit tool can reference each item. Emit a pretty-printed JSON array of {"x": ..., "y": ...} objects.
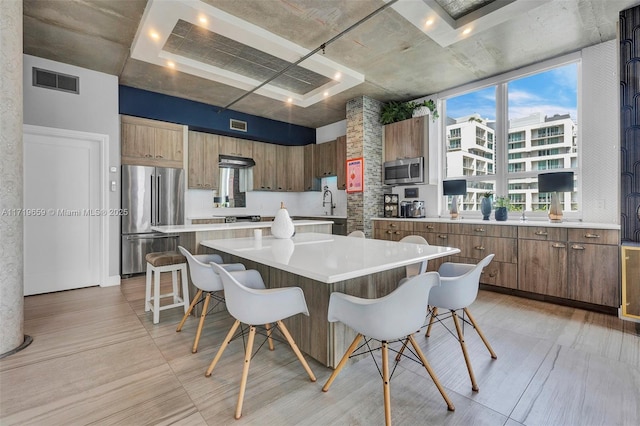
[
  {"x": 394, "y": 111},
  {"x": 487, "y": 194},
  {"x": 502, "y": 202}
]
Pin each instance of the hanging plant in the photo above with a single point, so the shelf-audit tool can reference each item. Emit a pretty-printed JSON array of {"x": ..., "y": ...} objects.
[{"x": 394, "y": 111}]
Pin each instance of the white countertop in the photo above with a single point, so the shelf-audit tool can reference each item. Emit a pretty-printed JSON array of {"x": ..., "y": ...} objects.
[
  {"x": 176, "y": 229},
  {"x": 511, "y": 222},
  {"x": 329, "y": 258}
]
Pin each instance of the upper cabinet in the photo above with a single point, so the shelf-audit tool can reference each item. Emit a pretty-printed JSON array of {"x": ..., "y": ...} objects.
[
  {"x": 311, "y": 182},
  {"x": 325, "y": 159},
  {"x": 236, "y": 147},
  {"x": 203, "y": 161},
  {"x": 264, "y": 172},
  {"x": 341, "y": 159},
  {"x": 151, "y": 143},
  {"x": 406, "y": 139}
]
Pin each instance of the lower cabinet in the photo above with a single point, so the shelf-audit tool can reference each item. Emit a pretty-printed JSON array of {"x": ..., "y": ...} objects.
[
  {"x": 576, "y": 264},
  {"x": 631, "y": 281}
]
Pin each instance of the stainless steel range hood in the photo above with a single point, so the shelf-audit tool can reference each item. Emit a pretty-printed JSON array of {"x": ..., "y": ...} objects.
[{"x": 234, "y": 162}]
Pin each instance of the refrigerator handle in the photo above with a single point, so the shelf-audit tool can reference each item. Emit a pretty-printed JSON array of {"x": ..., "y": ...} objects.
[
  {"x": 159, "y": 191},
  {"x": 152, "y": 220}
]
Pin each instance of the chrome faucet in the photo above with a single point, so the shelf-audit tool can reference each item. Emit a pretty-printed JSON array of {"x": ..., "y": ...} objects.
[{"x": 324, "y": 199}]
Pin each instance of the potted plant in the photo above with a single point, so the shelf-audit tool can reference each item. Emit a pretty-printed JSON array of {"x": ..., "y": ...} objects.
[
  {"x": 502, "y": 205},
  {"x": 485, "y": 205},
  {"x": 394, "y": 111}
]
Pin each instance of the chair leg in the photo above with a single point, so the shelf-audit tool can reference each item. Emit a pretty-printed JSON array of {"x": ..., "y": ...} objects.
[
  {"x": 184, "y": 282},
  {"x": 156, "y": 297},
  {"x": 342, "y": 362},
  {"x": 401, "y": 351},
  {"x": 385, "y": 383},
  {"x": 450, "y": 405},
  {"x": 293, "y": 345},
  {"x": 147, "y": 290},
  {"x": 205, "y": 306},
  {"x": 223, "y": 346},
  {"x": 456, "y": 321},
  {"x": 245, "y": 370},
  {"x": 186, "y": 314},
  {"x": 269, "y": 339},
  {"x": 434, "y": 314},
  {"x": 174, "y": 282},
  {"x": 481, "y": 334}
]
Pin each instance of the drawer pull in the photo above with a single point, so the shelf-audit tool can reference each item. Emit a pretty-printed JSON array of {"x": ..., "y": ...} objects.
[
  {"x": 493, "y": 274},
  {"x": 577, "y": 247},
  {"x": 558, "y": 245},
  {"x": 397, "y": 232},
  {"x": 388, "y": 232},
  {"x": 430, "y": 227},
  {"x": 443, "y": 237},
  {"x": 479, "y": 229},
  {"x": 392, "y": 225},
  {"x": 479, "y": 248},
  {"x": 544, "y": 233},
  {"x": 591, "y": 236}
]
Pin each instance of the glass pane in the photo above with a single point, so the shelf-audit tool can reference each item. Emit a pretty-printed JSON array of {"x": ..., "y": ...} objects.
[
  {"x": 542, "y": 134},
  {"x": 470, "y": 134}
]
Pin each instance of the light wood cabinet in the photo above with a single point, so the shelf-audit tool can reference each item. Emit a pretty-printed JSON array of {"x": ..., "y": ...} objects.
[
  {"x": 295, "y": 168},
  {"x": 236, "y": 147},
  {"x": 406, "y": 139},
  {"x": 392, "y": 230},
  {"x": 282, "y": 169},
  {"x": 203, "y": 161},
  {"x": 151, "y": 143},
  {"x": 325, "y": 159},
  {"x": 341, "y": 162},
  {"x": 264, "y": 172},
  {"x": 542, "y": 267},
  {"x": 311, "y": 182}
]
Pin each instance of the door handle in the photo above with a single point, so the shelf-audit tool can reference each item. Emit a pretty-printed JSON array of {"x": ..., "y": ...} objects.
[
  {"x": 159, "y": 221},
  {"x": 152, "y": 220}
]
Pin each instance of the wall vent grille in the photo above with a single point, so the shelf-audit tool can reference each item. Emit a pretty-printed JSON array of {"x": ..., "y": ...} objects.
[
  {"x": 238, "y": 125},
  {"x": 56, "y": 81}
]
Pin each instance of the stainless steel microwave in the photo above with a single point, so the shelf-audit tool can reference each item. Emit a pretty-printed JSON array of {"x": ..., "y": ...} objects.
[{"x": 404, "y": 172}]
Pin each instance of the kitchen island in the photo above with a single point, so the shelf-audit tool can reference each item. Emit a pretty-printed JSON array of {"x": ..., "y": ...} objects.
[{"x": 321, "y": 264}]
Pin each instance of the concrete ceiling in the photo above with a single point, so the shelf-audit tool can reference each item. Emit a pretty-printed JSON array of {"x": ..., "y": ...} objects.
[{"x": 398, "y": 57}]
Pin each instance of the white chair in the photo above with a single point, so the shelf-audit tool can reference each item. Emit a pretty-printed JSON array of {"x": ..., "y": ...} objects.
[
  {"x": 252, "y": 306},
  {"x": 418, "y": 268},
  {"x": 357, "y": 234},
  {"x": 208, "y": 284},
  {"x": 389, "y": 319},
  {"x": 458, "y": 289}
]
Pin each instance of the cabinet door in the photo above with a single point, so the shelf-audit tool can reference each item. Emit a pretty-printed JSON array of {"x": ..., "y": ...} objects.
[
  {"x": 631, "y": 281},
  {"x": 295, "y": 167},
  {"x": 244, "y": 148},
  {"x": 168, "y": 145},
  {"x": 210, "y": 169},
  {"x": 404, "y": 139},
  {"x": 311, "y": 182},
  {"x": 227, "y": 145},
  {"x": 196, "y": 157},
  {"x": 593, "y": 274},
  {"x": 137, "y": 141},
  {"x": 341, "y": 161},
  {"x": 325, "y": 159},
  {"x": 264, "y": 172},
  {"x": 282, "y": 169},
  {"x": 542, "y": 267}
]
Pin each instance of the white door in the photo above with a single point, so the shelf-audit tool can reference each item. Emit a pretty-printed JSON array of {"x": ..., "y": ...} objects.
[{"x": 62, "y": 218}]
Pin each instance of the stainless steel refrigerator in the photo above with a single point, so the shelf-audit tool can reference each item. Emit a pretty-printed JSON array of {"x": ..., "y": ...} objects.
[{"x": 152, "y": 196}]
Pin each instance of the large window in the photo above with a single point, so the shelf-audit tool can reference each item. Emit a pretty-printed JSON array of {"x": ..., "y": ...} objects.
[{"x": 502, "y": 146}]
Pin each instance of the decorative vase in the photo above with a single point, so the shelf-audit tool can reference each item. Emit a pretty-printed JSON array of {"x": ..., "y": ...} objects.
[
  {"x": 501, "y": 213},
  {"x": 282, "y": 226},
  {"x": 485, "y": 208}
]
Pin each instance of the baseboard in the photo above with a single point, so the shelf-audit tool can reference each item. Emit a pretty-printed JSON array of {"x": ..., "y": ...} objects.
[{"x": 112, "y": 281}]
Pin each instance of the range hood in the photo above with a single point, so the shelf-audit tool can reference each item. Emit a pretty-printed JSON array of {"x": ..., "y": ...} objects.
[{"x": 234, "y": 162}]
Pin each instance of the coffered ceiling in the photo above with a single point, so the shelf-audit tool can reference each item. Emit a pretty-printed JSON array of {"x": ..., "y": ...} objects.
[{"x": 246, "y": 54}]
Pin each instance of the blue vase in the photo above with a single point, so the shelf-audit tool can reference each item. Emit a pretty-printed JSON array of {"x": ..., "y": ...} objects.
[
  {"x": 485, "y": 208},
  {"x": 501, "y": 213}
]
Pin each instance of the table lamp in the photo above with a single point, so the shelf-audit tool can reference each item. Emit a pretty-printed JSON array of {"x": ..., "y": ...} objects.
[
  {"x": 454, "y": 188},
  {"x": 554, "y": 183}
]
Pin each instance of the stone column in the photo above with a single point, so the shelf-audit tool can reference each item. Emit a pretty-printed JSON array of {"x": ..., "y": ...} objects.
[
  {"x": 364, "y": 139},
  {"x": 11, "y": 278}
]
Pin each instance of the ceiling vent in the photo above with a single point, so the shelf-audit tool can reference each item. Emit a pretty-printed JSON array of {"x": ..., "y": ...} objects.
[
  {"x": 238, "y": 125},
  {"x": 57, "y": 81}
]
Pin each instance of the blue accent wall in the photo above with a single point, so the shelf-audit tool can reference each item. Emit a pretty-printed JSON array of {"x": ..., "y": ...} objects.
[{"x": 206, "y": 118}]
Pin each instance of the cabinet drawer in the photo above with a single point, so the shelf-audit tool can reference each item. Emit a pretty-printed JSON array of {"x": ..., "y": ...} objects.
[
  {"x": 436, "y": 227},
  {"x": 542, "y": 233},
  {"x": 435, "y": 239},
  {"x": 594, "y": 236},
  {"x": 473, "y": 247},
  {"x": 394, "y": 225},
  {"x": 485, "y": 230}
]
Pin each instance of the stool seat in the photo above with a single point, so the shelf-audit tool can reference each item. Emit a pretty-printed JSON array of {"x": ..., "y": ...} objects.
[
  {"x": 157, "y": 263},
  {"x": 163, "y": 258}
]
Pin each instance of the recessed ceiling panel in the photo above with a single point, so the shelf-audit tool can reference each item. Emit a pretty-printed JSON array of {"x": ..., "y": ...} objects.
[
  {"x": 458, "y": 8},
  {"x": 200, "y": 44}
]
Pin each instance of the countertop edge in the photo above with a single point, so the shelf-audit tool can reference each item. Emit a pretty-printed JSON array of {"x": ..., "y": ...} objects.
[{"x": 544, "y": 223}]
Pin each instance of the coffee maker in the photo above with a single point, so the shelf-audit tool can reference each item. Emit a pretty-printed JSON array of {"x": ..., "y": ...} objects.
[{"x": 418, "y": 209}]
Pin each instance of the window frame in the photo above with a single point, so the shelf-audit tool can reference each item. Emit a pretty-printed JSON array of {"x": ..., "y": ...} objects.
[{"x": 501, "y": 132}]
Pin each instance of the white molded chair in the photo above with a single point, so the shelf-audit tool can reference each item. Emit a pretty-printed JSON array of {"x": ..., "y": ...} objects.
[
  {"x": 357, "y": 234},
  {"x": 394, "y": 317},
  {"x": 252, "y": 306},
  {"x": 458, "y": 289},
  {"x": 418, "y": 268},
  {"x": 207, "y": 282}
]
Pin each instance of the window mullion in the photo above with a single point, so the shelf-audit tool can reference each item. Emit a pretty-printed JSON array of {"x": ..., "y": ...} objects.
[{"x": 501, "y": 136}]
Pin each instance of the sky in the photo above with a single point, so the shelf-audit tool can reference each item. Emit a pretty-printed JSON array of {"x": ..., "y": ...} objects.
[{"x": 550, "y": 92}]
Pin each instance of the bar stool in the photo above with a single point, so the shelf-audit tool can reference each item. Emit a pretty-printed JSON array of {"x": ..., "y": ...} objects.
[{"x": 157, "y": 263}]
